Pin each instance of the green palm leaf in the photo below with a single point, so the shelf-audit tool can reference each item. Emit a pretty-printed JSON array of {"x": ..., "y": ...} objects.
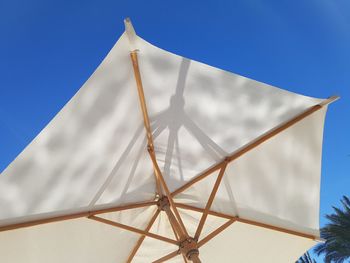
[
  {"x": 306, "y": 258},
  {"x": 336, "y": 249}
]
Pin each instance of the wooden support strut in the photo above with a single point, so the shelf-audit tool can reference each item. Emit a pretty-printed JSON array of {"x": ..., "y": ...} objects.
[
  {"x": 210, "y": 201},
  {"x": 215, "y": 232},
  {"x": 167, "y": 257}
]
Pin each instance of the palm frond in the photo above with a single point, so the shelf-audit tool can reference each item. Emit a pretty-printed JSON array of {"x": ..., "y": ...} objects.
[
  {"x": 336, "y": 249},
  {"x": 306, "y": 258}
]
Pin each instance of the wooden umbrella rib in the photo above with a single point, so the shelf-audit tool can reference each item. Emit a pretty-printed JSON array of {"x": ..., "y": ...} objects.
[
  {"x": 123, "y": 207},
  {"x": 75, "y": 215},
  {"x": 210, "y": 201},
  {"x": 215, "y": 232},
  {"x": 275, "y": 228},
  {"x": 247, "y": 221},
  {"x": 142, "y": 238},
  {"x": 142, "y": 100},
  {"x": 183, "y": 231},
  {"x": 159, "y": 177},
  {"x": 133, "y": 229},
  {"x": 139, "y": 85},
  {"x": 197, "y": 179},
  {"x": 268, "y": 135}
]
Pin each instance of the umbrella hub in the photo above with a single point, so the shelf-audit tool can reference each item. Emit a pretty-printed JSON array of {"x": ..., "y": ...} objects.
[
  {"x": 189, "y": 248},
  {"x": 163, "y": 203}
]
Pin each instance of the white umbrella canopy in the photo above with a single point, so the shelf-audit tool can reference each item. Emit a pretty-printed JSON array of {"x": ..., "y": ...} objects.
[{"x": 162, "y": 158}]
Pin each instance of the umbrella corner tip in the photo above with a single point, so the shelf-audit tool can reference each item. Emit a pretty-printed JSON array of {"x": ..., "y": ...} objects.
[
  {"x": 336, "y": 97},
  {"x": 127, "y": 20},
  {"x": 130, "y": 32},
  {"x": 333, "y": 98},
  {"x": 129, "y": 28}
]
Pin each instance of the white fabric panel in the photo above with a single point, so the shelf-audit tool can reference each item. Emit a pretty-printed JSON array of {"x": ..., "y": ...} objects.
[
  {"x": 249, "y": 244},
  {"x": 200, "y": 114},
  {"x": 238, "y": 243},
  {"x": 92, "y": 152},
  {"x": 152, "y": 249},
  {"x": 78, "y": 241},
  {"x": 163, "y": 227},
  {"x": 277, "y": 183}
]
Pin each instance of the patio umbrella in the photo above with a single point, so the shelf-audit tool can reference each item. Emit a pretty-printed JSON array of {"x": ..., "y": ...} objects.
[{"x": 161, "y": 158}]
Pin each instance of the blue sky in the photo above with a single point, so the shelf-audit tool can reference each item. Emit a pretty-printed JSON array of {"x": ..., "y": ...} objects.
[{"x": 49, "y": 48}]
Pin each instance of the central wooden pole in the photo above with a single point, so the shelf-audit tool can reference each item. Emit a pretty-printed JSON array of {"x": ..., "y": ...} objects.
[
  {"x": 187, "y": 245},
  {"x": 164, "y": 205},
  {"x": 195, "y": 259}
]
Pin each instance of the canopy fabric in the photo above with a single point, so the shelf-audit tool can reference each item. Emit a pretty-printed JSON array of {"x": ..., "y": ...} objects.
[
  {"x": 93, "y": 155},
  {"x": 277, "y": 183}
]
